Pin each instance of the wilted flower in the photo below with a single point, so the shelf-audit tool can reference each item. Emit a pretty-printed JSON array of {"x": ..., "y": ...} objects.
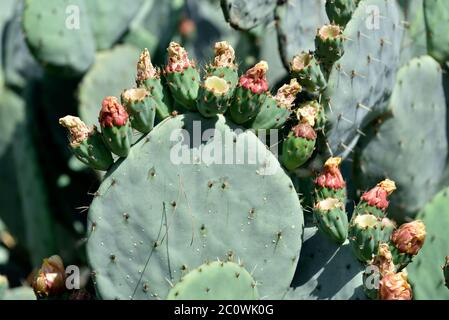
[
  {"x": 394, "y": 286},
  {"x": 50, "y": 279},
  {"x": 409, "y": 238}
]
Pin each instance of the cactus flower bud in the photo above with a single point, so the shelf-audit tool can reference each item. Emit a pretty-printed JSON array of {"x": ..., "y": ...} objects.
[
  {"x": 286, "y": 94},
  {"x": 255, "y": 79},
  {"x": 224, "y": 55},
  {"x": 115, "y": 126},
  {"x": 182, "y": 77},
  {"x": 178, "y": 58},
  {"x": 375, "y": 201},
  {"x": 330, "y": 182},
  {"x": 87, "y": 143},
  {"x": 306, "y": 69},
  {"x": 112, "y": 113},
  {"x": 148, "y": 77},
  {"x": 409, "y": 237},
  {"x": 50, "y": 279},
  {"x": 394, "y": 286},
  {"x": 304, "y": 130},
  {"x": 377, "y": 196},
  {"x": 329, "y": 44},
  {"x": 79, "y": 131},
  {"x": 331, "y": 176},
  {"x": 145, "y": 69}
]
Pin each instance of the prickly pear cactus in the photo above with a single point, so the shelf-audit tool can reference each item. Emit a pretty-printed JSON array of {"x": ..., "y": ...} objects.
[
  {"x": 216, "y": 281},
  {"x": 413, "y": 132},
  {"x": 158, "y": 214},
  {"x": 360, "y": 82},
  {"x": 425, "y": 272}
]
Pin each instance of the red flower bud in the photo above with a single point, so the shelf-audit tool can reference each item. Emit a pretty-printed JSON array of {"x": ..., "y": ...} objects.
[{"x": 112, "y": 113}]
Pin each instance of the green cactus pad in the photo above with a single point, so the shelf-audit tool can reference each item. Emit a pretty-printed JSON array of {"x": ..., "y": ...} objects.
[
  {"x": 270, "y": 116},
  {"x": 361, "y": 81},
  {"x": 110, "y": 19},
  {"x": 215, "y": 281},
  {"x": 414, "y": 133},
  {"x": 326, "y": 271},
  {"x": 59, "y": 35},
  {"x": 436, "y": 14},
  {"x": 113, "y": 72},
  {"x": 141, "y": 108},
  {"x": 157, "y": 215},
  {"x": 184, "y": 87},
  {"x": 425, "y": 271},
  {"x": 414, "y": 43},
  {"x": 340, "y": 11},
  {"x": 332, "y": 219},
  {"x": 296, "y": 26},
  {"x": 245, "y": 15},
  {"x": 245, "y": 105}
]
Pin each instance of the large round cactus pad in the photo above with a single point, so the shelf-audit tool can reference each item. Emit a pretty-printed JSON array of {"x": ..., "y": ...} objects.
[{"x": 156, "y": 216}]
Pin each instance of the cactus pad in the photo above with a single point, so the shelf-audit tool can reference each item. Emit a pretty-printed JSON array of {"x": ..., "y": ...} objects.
[
  {"x": 215, "y": 281},
  {"x": 414, "y": 132},
  {"x": 183, "y": 214},
  {"x": 59, "y": 35},
  {"x": 425, "y": 271},
  {"x": 361, "y": 81}
]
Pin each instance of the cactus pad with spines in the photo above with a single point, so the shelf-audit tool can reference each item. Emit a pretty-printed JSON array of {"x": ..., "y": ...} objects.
[
  {"x": 184, "y": 214},
  {"x": 216, "y": 281},
  {"x": 361, "y": 81},
  {"x": 412, "y": 133}
]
